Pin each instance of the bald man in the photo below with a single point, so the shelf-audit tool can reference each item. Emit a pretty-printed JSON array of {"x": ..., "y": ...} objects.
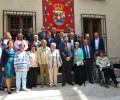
[
  {"x": 97, "y": 43},
  {"x": 42, "y": 54}
]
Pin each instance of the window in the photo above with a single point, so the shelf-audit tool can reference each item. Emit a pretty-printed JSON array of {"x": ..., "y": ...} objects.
[
  {"x": 91, "y": 23},
  {"x": 15, "y": 20}
]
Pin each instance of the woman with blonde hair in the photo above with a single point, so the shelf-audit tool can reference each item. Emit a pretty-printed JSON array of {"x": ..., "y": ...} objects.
[{"x": 7, "y": 37}]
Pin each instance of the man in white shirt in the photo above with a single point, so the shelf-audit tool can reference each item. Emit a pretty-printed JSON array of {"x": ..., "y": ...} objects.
[
  {"x": 36, "y": 41},
  {"x": 97, "y": 43}
]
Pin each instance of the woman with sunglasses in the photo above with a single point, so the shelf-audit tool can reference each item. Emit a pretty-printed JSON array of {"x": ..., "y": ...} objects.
[{"x": 32, "y": 74}]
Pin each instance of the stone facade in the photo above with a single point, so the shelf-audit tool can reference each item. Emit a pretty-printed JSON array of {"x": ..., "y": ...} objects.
[{"x": 110, "y": 8}]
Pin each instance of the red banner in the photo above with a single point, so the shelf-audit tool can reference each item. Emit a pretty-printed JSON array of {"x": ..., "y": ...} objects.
[{"x": 59, "y": 14}]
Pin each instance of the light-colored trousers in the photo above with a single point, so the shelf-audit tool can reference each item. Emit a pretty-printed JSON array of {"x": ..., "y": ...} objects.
[
  {"x": 53, "y": 75},
  {"x": 21, "y": 76},
  {"x": 44, "y": 71}
]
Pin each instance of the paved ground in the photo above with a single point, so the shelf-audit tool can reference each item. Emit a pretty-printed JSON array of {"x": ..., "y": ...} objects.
[{"x": 90, "y": 92}]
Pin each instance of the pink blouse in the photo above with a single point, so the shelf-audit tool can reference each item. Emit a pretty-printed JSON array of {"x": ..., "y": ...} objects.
[{"x": 33, "y": 58}]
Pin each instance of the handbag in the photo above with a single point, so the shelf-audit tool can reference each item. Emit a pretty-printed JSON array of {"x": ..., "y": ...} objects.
[{"x": 59, "y": 61}]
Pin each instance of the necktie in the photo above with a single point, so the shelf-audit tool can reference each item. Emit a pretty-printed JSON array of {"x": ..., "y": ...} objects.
[
  {"x": 66, "y": 46},
  {"x": 87, "y": 53}
]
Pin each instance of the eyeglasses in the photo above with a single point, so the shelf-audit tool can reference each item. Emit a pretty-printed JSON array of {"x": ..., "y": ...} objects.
[{"x": 32, "y": 46}]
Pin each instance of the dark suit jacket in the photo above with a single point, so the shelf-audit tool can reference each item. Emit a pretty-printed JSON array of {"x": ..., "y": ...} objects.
[
  {"x": 90, "y": 51},
  {"x": 58, "y": 41},
  {"x": 64, "y": 52},
  {"x": 41, "y": 36},
  {"x": 101, "y": 44},
  {"x": 75, "y": 39},
  {"x": 48, "y": 43},
  {"x": 54, "y": 36}
]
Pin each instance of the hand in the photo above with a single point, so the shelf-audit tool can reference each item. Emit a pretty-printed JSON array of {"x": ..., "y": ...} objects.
[
  {"x": 16, "y": 38},
  {"x": 48, "y": 66},
  {"x": 28, "y": 69},
  {"x": 41, "y": 65},
  {"x": 3, "y": 69},
  {"x": 93, "y": 63},
  {"x": 80, "y": 62},
  {"x": 68, "y": 59},
  {"x": 84, "y": 61},
  {"x": 106, "y": 66},
  {"x": 75, "y": 60},
  {"x": 16, "y": 69},
  {"x": 27, "y": 41}
]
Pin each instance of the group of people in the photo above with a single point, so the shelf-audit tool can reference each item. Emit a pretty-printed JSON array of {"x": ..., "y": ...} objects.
[{"x": 49, "y": 52}]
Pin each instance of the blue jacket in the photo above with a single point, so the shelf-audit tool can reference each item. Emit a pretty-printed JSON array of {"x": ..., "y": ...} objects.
[
  {"x": 48, "y": 43},
  {"x": 101, "y": 44},
  {"x": 91, "y": 53},
  {"x": 80, "y": 54}
]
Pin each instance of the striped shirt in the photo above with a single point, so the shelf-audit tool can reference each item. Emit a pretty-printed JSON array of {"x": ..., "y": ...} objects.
[{"x": 22, "y": 61}]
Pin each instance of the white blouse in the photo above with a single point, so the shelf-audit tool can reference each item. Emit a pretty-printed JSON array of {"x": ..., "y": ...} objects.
[{"x": 102, "y": 62}]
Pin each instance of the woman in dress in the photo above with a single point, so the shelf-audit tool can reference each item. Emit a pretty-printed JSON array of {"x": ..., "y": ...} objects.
[
  {"x": 8, "y": 64},
  {"x": 32, "y": 73}
]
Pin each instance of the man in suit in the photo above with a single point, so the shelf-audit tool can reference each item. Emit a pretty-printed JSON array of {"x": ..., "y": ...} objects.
[
  {"x": 72, "y": 38},
  {"x": 87, "y": 36},
  {"x": 59, "y": 39},
  {"x": 67, "y": 57},
  {"x": 42, "y": 34},
  {"x": 97, "y": 44},
  {"x": 42, "y": 60},
  {"x": 88, "y": 60},
  {"x": 49, "y": 39},
  {"x": 54, "y": 33}
]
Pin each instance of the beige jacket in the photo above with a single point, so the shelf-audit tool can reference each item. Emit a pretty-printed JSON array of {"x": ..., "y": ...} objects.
[{"x": 42, "y": 54}]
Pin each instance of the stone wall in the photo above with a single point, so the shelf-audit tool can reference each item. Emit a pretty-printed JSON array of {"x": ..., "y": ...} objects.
[{"x": 110, "y": 8}]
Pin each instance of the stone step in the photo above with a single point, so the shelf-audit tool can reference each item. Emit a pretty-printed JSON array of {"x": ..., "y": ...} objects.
[{"x": 38, "y": 79}]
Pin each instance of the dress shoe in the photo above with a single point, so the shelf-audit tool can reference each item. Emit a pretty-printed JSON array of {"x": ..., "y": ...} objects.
[
  {"x": 63, "y": 84},
  {"x": 91, "y": 82},
  {"x": 47, "y": 85},
  {"x": 80, "y": 84},
  {"x": 42, "y": 85},
  {"x": 30, "y": 87},
  {"x": 76, "y": 83},
  {"x": 9, "y": 92},
  {"x": 25, "y": 90},
  {"x": 34, "y": 86},
  {"x": 12, "y": 89},
  {"x": 1, "y": 89},
  {"x": 71, "y": 83},
  {"x": 116, "y": 83}
]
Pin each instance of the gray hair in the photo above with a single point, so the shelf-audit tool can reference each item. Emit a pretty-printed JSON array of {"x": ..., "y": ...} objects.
[
  {"x": 53, "y": 44},
  {"x": 76, "y": 42},
  {"x": 87, "y": 35},
  {"x": 35, "y": 35}
]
